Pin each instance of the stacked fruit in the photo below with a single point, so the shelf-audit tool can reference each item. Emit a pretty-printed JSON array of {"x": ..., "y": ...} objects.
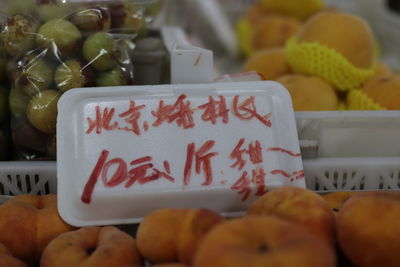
[
  {"x": 326, "y": 58},
  {"x": 288, "y": 226},
  {"x": 54, "y": 46}
]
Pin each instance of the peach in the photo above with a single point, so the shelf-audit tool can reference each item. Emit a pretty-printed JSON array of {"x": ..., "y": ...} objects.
[
  {"x": 92, "y": 247},
  {"x": 310, "y": 93},
  {"x": 367, "y": 229},
  {"x": 301, "y": 206},
  {"x": 28, "y": 223},
  {"x": 382, "y": 69},
  {"x": 348, "y": 34},
  {"x": 177, "y": 233},
  {"x": 337, "y": 199},
  {"x": 262, "y": 241},
  {"x": 8, "y": 260},
  {"x": 384, "y": 90},
  {"x": 270, "y": 63},
  {"x": 255, "y": 13},
  {"x": 274, "y": 31}
]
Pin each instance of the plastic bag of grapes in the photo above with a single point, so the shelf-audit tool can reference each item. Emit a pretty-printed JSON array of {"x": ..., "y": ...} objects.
[{"x": 54, "y": 46}]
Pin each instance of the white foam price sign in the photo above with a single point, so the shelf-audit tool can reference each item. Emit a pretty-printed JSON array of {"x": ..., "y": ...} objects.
[{"x": 126, "y": 151}]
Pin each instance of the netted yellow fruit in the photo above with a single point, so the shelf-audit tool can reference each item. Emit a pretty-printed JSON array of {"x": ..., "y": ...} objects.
[
  {"x": 270, "y": 63},
  {"x": 300, "y": 9},
  {"x": 347, "y": 34},
  {"x": 310, "y": 93},
  {"x": 335, "y": 46}
]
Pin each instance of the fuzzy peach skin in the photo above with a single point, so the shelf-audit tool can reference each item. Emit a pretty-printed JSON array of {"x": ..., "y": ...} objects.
[
  {"x": 28, "y": 223},
  {"x": 368, "y": 230},
  {"x": 262, "y": 241},
  {"x": 8, "y": 260},
  {"x": 92, "y": 247},
  {"x": 337, "y": 199},
  {"x": 301, "y": 206},
  {"x": 270, "y": 62},
  {"x": 172, "y": 235}
]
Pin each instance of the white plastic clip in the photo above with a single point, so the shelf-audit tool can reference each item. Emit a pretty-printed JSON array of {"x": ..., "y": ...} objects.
[{"x": 189, "y": 64}]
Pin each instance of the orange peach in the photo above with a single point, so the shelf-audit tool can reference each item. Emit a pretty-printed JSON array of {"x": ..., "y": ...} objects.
[
  {"x": 382, "y": 69},
  {"x": 384, "y": 90},
  {"x": 262, "y": 241},
  {"x": 8, "y": 260},
  {"x": 270, "y": 63},
  {"x": 367, "y": 229},
  {"x": 28, "y": 223},
  {"x": 172, "y": 235},
  {"x": 310, "y": 93},
  {"x": 255, "y": 13},
  {"x": 348, "y": 34},
  {"x": 337, "y": 199},
  {"x": 274, "y": 31},
  {"x": 92, "y": 247},
  {"x": 301, "y": 206}
]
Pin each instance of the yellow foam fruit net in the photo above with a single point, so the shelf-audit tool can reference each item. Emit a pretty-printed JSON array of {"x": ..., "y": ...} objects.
[
  {"x": 358, "y": 100},
  {"x": 312, "y": 58},
  {"x": 245, "y": 32}
]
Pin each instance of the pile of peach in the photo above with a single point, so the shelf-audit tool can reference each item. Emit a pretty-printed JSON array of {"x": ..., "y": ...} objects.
[
  {"x": 288, "y": 226},
  {"x": 344, "y": 71}
]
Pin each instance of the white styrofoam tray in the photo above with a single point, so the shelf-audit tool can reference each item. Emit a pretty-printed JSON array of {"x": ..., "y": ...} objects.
[{"x": 88, "y": 195}]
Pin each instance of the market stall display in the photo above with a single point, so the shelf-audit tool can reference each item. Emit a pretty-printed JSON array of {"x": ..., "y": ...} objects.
[{"x": 331, "y": 223}]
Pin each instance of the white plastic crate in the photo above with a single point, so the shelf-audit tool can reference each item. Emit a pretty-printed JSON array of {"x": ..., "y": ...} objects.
[
  {"x": 27, "y": 177},
  {"x": 327, "y": 167},
  {"x": 322, "y": 175},
  {"x": 350, "y": 150},
  {"x": 352, "y": 174}
]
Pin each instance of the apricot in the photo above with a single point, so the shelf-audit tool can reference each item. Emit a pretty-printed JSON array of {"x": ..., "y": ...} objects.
[
  {"x": 384, "y": 90},
  {"x": 274, "y": 31},
  {"x": 348, "y": 34},
  {"x": 270, "y": 63},
  {"x": 310, "y": 93}
]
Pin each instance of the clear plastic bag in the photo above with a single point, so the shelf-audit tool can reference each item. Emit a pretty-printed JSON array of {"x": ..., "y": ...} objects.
[{"x": 55, "y": 46}]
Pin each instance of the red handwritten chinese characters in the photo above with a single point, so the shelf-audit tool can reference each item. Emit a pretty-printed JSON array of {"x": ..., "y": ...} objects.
[
  {"x": 254, "y": 153},
  {"x": 246, "y": 155},
  {"x": 257, "y": 175},
  {"x": 180, "y": 113},
  {"x": 201, "y": 160},
  {"x": 137, "y": 174}
]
